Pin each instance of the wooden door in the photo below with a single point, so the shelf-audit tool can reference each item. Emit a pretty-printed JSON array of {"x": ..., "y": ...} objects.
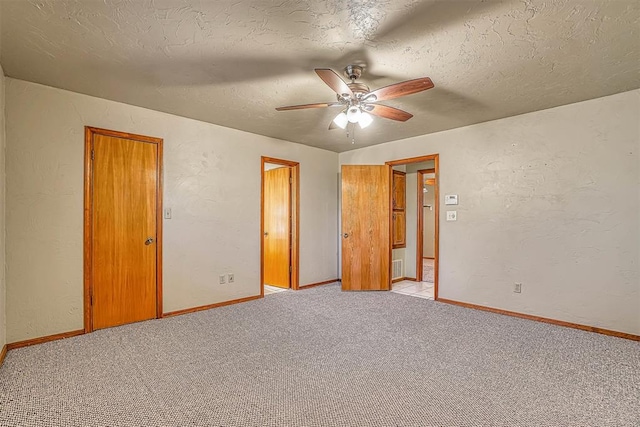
[
  {"x": 277, "y": 227},
  {"x": 399, "y": 204},
  {"x": 124, "y": 252},
  {"x": 366, "y": 220},
  {"x": 399, "y": 190},
  {"x": 399, "y": 230}
]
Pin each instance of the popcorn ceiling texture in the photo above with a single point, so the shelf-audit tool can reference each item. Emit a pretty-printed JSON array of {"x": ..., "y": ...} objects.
[{"x": 232, "y": 62}]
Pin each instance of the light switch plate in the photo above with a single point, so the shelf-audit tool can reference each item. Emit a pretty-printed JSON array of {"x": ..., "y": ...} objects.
[
  {"x": 452, "y": 215},
  {"x": 167, "y": 213},
  {"x": 451, "y": 199}
]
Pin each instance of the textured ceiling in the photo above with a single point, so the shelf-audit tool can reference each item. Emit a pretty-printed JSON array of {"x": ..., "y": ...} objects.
[{"x": 231, "y": 62}]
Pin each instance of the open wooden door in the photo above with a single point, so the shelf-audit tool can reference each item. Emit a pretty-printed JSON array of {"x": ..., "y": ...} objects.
[
  {"x": 277, "y": 227},
  {"x": 366, "y": 228}
]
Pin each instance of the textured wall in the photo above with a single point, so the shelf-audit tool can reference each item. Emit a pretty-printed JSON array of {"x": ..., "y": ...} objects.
[
  {"x": 549, "y": 199},
  {"x": 3, "y": 324},
  {"x": 411, "y": 225},
  {"x": 211, "y": 182},
  {"x": 428, "y": 222}
]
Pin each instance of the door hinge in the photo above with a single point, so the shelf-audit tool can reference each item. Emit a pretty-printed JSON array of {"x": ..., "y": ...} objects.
[
  {"x": 290, "y": 180},
  {"x": 290, "y": 269},
  {"x": 91, "y": 298},
  {"x": 93, "y": 154}
]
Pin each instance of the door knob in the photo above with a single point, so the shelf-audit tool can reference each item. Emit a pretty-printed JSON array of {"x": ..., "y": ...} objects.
[
  {"x": 148, "y": 241},
  {"x": 266, "y": 233},
  {"x": 345, "y": 235}
]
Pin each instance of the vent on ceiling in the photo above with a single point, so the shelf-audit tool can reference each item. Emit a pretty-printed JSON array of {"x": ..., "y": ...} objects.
[{"x": 396, "y": 269}]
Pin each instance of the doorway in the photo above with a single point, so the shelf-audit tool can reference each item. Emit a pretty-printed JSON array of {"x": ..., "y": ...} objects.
[
  {"x": 427, "y": 227},
  {"x": 279, "y": 225},
  {"x": 122, "y": 228},
  {"x": 418, "y": 259}
]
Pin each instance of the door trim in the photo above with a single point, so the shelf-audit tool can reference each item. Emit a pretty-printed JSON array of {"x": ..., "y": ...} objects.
[
  {"x": 89, "y": 132},
  {"x": 436, "y": 264},
  {"x": 295, "y": 220}
]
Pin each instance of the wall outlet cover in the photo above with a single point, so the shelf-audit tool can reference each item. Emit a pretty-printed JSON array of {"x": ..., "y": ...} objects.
[{"x": 452, "y": 215}]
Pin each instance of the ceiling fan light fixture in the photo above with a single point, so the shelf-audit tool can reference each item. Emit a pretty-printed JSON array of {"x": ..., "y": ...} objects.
[
  {"x": 353, "y": 114},
  {"x": 365, "y": 120},
  {"x": 341, "y": 120}
]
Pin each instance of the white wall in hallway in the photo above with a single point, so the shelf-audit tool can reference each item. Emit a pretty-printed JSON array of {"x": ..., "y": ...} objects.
[
  {"x": 211, "y": 183},
  {"x": 550, "y": 199}
]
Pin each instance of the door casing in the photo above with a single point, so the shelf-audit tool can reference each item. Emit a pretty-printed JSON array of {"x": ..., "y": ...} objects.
[
  {"x": 88, "y": 217},
  {"x": 295, "y": 219}
]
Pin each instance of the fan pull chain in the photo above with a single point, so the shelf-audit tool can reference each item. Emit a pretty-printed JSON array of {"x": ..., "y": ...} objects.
[{"x": 353, "y": 133}]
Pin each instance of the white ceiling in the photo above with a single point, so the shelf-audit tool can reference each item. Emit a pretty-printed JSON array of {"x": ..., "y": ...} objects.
[{"x": 231, "y": 62}]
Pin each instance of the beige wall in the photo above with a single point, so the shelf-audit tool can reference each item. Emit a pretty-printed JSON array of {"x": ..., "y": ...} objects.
[
  {"x": 3, "y": 322},
  {"x": 549, "y": 199},
  {"x": 211, "y": 183},
  {"x": 411, "y": 225},
  {"x": 428, "y": 221}
]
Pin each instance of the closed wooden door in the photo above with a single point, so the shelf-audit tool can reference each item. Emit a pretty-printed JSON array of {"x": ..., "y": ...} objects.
[
  {"x": 399, "y": 231},
  {"x": 277, "y": 227},
  {"x": 124, "y": 251},
  {"x": 366, "y": 223},
  {"x": 399, "y": 190}
]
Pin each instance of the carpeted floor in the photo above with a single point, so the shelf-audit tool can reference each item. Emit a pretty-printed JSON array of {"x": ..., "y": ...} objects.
[{"x": 321, "y": 357}]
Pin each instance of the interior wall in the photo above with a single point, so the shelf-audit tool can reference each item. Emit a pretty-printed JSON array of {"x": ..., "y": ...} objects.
[
  {"x": 549, "y": 199},
  {"x": 3, "y": 288},
  {"x": 411, "y": 225},
  {"x": 211, "y": 184},
  {"x": 428, "y": 221}
]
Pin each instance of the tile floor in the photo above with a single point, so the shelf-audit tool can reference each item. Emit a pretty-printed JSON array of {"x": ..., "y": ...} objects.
[
  {"x": 414, "y": 289},
  {"x": 268, "y": 289},
  {"x": 406, "y": 287},
  {"x": 428, "y": 266}
]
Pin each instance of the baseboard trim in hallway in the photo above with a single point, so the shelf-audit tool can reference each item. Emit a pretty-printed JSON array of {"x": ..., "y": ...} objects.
[
  {"x": 40, "y": 340},
  {"x": 311, "y": 285},
  {"x": 543, "y": 319},
  {"x": 210, "y": 306}
]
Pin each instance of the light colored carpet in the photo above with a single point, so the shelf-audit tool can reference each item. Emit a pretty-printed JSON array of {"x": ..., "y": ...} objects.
[
  {"x": 321, "y": 357},
  {"x": 428, "y": 270}
]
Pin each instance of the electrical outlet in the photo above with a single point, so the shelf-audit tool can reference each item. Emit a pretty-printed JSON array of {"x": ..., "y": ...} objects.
[
  {"x": 517, "y": 288},
  {"x": 223, "y": 279},
  {"x": 231, "y": 278}
]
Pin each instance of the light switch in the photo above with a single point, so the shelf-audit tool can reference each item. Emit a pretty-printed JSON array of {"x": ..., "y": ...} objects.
[
  {"x": 452, "y": 215},
  {"x": 167, "y": 213},
  {"x": 451, "y": 199}
]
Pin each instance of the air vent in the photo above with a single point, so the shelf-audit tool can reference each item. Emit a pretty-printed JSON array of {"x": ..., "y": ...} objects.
[{"x": 396, "y": 269}]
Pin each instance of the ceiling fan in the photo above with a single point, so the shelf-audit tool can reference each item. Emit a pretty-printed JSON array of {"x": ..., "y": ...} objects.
[{"x": 358, "y": 102}]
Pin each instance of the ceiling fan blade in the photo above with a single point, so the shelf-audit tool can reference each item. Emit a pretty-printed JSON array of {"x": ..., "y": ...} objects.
[
  {"x": 303, "y": 106},
  {"x": 333, "y": 80},
  {"x": 388, "y": 112},
  {"x": 401, "y": 89}
]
